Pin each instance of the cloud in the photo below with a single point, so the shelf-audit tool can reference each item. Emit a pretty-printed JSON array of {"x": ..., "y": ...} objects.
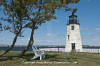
[
  {"x": 93, "y": 39},
  {"x": 96, "y": 39},
  {"x": 91, "y": 29},
  {"x": 49, "y": 34},
  {"x": 23, "y": 39}
]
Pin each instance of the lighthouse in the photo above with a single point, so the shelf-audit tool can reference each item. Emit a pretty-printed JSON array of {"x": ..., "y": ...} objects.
[{"x": 73, "y": 37}]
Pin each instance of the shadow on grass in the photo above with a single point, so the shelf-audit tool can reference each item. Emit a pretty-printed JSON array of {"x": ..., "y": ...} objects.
[
  {"x": 29, "y": 55},
  {"x": 5, "y": 58},
  {"x": 13, "y": 55},
  {"x": 51, "y": 57}
]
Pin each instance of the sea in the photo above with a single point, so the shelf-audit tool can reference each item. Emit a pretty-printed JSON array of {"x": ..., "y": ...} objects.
[{"x": 91, "y": 49}]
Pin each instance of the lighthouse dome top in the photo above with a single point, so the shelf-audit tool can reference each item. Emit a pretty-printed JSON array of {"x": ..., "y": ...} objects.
[{"x": 73, "y": 19}]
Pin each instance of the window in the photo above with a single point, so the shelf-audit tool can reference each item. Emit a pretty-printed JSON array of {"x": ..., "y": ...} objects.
[
  {"x": 72, "y": 18},
  {"x": 72, "y": 27},
  {"x": 68, "y": 37}
]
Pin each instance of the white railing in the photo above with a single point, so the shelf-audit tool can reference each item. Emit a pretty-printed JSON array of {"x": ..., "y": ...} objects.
[{"x": 63, "y": 49}]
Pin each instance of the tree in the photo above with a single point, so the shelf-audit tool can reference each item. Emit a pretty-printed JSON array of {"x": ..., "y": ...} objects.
[
  {"x": 15, "y": 19},
  {"x": 35, "y": 12},
  {"x": 0, "y": 27},
  {"x": 43, "y": 13}
]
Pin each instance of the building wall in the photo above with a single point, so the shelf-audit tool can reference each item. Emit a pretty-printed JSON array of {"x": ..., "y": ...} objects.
[{"x": 73, "y": 36}]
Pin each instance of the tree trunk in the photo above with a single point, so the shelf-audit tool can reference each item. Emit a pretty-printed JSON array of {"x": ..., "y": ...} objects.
[
  {"x": 13, "y": 44},
  {"x": 30, "y": 43}
]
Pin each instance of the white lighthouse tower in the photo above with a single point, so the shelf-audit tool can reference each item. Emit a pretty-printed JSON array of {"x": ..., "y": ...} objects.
[{"x": 73, "y": 38}]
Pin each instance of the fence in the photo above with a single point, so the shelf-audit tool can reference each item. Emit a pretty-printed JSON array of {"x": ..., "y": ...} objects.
[
  {"x": 92, "y": 50},
  {"x": 89, "y": 50}
]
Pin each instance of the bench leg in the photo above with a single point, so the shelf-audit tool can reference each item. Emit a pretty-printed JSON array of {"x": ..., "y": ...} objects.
[{"x": 40, "y": 57}]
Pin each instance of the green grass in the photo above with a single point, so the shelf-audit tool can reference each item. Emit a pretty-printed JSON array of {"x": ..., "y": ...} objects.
[
  {"x": 11, "y": 59},
  {"x": 87, "y": 55}
]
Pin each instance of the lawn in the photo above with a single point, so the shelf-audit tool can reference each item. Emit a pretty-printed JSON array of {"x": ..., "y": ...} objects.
[
  {"x": 87, "y": 55},
  {"x": 11, "y": 59}
]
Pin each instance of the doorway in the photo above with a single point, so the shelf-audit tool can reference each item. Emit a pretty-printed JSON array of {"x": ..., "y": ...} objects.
[{"x": 73, "y": 46}]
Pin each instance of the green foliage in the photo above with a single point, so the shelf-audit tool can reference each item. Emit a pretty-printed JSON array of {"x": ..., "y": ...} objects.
[
  {"x": 34, "y": 11},
  {"x": 15, "y": 12},
  {"x": 0, "y": 1},
  {"x": 0, "y": 27},
  {"x": 73, "y": 10}
]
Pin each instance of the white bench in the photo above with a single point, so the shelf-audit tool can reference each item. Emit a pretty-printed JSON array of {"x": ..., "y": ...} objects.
[{"x": 38, "y": 53}]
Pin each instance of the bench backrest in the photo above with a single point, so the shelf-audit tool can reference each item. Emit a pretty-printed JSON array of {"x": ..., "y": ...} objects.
[{"x": 36, "y": 50}]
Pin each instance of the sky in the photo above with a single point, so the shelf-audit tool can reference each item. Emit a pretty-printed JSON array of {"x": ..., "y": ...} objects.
[{"x": 54, "y": 32}]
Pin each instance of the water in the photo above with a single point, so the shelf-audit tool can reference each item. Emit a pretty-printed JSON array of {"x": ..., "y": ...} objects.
[
  {"x": 52, "y": 48},
  {"x": 14, "y": 49}
]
